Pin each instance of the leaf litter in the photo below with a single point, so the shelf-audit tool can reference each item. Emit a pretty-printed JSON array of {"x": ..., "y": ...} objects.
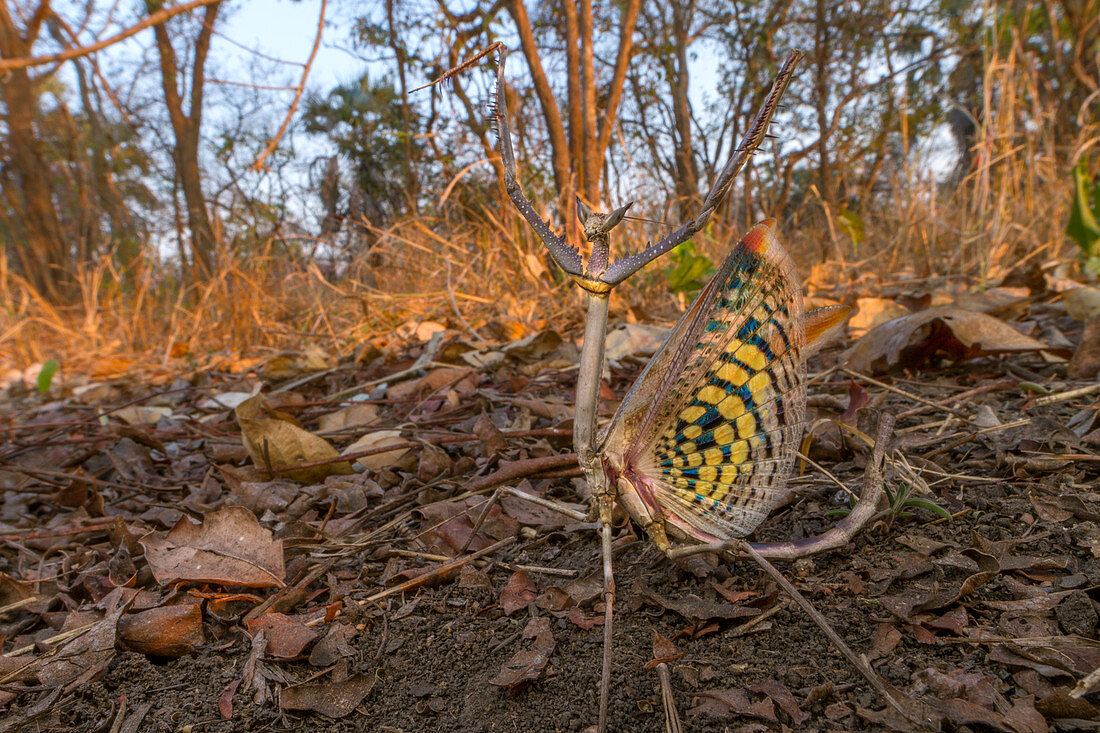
[{"x": 240, "y": 548}]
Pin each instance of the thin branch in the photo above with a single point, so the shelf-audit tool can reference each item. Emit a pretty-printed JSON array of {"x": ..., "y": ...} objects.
[
  {"x": 627, "y": 266},
  {"x": 259, "y": 164},
  {"x": 73, "y": 53}
]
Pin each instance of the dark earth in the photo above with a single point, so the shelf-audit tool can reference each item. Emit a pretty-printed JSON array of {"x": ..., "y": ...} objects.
[{"x": 989, "y": 618}]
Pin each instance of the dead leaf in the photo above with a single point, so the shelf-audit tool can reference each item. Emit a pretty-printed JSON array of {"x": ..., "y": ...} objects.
[
  {"x": 1060, "y": 705},
  {"x": 871, "y": 312},
  {"x": 1085, "y": 363},
  {"x": 492, "y": 439},
  {"x": 518, "y": 592},
  {"x": 362, "y": 413},
  {"x": 964, "y": 713},
  {"x": 692, "y": 607},
  {"x": 1082, "y": 303},
  {"x": 168, "y": 631},
  {"x": 141, "y": 414},
  {"x": 634, "y": 339},
  {"x": 375, "y": 440},
  {"x": 296, "y": 363},
  {"x": 229, "y": 547},
  {"x": 528, "y": 664},
  {"x": 729, "y": 702},
  {"x": 277, "y": 445},
  {"x": 462, "y": 379},
  {"x": 579, "y": 619},
  {"x": 418, "y": 330},
  {"x": 335, "y": 646},
  {"x": 664, "y": 651},
  {"x": 286, "y": 637},
  {"x": 917, "y": 339},
  {"x": 535, "y": 346},
  {"x": 82, "y": 658},
  {"x": 331, "y": 699},
  {"x": 225, "y": 700},
  {"x": 782, "y": 697}
]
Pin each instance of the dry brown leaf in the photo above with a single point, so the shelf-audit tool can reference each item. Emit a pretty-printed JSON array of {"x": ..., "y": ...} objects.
[
  {"x": 664, "y": 651},
  {"x": 781, "y": 696},
  {"x": 332, "y": 699},
  {"x": 335, "y": 646},
  {"x": 871, "y": 312},
  {"x": 378, "y": 439},
  {"x": 141, "y": 414},
  {"x": 1082, "y": 303},
  {"x": 916, "y": 339},
  {"x": 363, "y": 413},
  {"x": 462, "y": 379},
  {"x": 229, "y": 547},
  {"x": 286, "y": 637},
  {"x": 296, "y": 363},
  {"x": 726, "y": 703},
  {"x": 168, "y": 631},
  {"x": 528, "y": 664},
  {"x": 82, "y": 657},
  {"x": 1085, "y": 363},
  {"x": 518, "y": 592},
  {"x": 277, "y": 445}
]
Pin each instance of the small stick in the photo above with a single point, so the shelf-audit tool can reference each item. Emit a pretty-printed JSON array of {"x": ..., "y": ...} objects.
[
  {"x": 668, "y": 700},
  {"x": 440, "y": 572},
  {"x": 1069, "y": 395},
  {"x": 907, "y": 395},
  {"x": 892, "y": 696},
  {"x": 561, "y": 572},
  {"x": 991, "y": 387}
]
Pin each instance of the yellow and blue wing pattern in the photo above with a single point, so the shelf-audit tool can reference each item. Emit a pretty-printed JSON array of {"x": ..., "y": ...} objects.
[{"x": 709, "y": 433}]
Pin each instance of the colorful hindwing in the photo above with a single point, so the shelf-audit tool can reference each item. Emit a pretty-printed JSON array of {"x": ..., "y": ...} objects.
[{"x": 708, "y": 434}]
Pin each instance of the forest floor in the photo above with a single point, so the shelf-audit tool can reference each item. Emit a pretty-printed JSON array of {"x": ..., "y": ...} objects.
[{"x": 154, "y": 578}]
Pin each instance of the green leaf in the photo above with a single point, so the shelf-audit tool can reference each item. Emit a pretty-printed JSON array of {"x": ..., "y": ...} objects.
[
  {"x": 929, "y": 506},
  {"x": 852, "y": 224},
  {"x": 688, "y": 271},
  {"x": 1083, "y": 227},
  {"x": 45, "y": 376}
]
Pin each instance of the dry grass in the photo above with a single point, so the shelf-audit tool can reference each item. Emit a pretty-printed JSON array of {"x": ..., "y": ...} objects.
[{"x": 488, "y": 276}]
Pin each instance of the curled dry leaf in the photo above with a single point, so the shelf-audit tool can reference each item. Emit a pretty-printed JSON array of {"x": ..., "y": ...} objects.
[
  {"x": 663, "y": 651},
  {"x": 781, "y": 696},
  {"x": 277, "y": 445},
  {"x": 229, "y": 547},
  {"x": 363, "y": 413},
  {"x": 168, "y": 631},
  {"x": 372, "y": 441},
  {"x": 916, "y": 339}
]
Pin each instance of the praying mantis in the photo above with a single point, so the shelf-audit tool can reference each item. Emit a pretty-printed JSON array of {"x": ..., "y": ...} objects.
[{"x": 701, "y": 447}]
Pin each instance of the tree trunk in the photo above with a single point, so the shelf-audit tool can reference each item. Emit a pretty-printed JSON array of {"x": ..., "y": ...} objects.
[
  {"x": 186, "y": 127},
  {"x": 412, "y": 185},
  {"x": 821, "y": 92},
  {"x": 687, "y": 173},
  {"x": 44, "y": 256},
  {"x": 593, "y": 164}
]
